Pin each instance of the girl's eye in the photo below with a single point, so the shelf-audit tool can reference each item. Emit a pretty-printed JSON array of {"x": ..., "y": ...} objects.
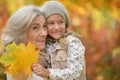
[
  {"x": 61, "y": 21},
  {"x": 50, "y": 23}
]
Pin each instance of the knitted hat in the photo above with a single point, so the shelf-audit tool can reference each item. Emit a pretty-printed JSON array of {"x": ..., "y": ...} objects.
[{"x": 55, "y": 7}]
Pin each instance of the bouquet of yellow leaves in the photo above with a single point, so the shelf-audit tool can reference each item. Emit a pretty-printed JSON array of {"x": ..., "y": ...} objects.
[{"x": 18, "y": 59}]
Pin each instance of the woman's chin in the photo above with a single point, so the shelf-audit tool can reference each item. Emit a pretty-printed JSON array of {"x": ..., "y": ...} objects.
[{"x": 40, "y": 47}]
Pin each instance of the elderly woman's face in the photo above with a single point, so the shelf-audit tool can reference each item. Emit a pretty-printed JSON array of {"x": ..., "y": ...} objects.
[
  {"x": 37, "y": 32},
  {"x": 55, "y": 26}
]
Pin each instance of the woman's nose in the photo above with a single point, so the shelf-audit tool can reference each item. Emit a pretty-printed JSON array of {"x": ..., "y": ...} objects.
[{"x": 43, "y": 32}]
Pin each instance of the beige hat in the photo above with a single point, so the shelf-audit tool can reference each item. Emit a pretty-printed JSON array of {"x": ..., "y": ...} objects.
[{"x": 55, "y": 7}]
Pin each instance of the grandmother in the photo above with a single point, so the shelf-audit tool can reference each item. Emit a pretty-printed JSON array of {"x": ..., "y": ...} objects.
[{"x": 26, "y": 25}]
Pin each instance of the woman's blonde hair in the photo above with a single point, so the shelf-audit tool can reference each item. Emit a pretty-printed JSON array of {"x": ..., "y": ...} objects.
[{"x": 18, "y": 24}]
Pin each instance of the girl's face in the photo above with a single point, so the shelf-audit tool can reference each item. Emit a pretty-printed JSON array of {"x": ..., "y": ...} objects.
[
  {"x": 37, "y": 32},
  {"x": 55, "y": 26}
]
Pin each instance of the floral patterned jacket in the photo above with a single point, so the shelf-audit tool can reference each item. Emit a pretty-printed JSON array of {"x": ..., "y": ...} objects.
[{"x": 67, "y": 59}]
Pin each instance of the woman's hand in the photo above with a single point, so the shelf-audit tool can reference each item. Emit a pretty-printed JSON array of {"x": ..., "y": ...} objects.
[{"x": 40, "y": 70}]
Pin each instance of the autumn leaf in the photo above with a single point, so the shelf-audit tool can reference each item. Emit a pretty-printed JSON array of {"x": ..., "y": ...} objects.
[
  {"x": 1, "y": 48},
  {"x": 11, "y": 47},
  {"x": 7, "y": 59},
  {"x": 19, "y": 59}
]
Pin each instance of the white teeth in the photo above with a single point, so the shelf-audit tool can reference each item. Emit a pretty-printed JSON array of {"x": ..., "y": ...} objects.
[{"x": 56, "y": 32}]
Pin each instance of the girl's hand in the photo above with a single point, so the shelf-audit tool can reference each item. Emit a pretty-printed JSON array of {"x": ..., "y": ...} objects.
[{"x": 40, "y": 70}]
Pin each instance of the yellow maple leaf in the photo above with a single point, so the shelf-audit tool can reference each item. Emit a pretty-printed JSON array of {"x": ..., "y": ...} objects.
[
  {"x": 18, "y": 59},
  {"x": 1, "y": 48}
]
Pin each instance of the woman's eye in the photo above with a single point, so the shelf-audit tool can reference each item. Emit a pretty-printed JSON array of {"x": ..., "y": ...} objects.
[
  {"x": 36, "y": 28},
  {"x": 44, "y": 27}
]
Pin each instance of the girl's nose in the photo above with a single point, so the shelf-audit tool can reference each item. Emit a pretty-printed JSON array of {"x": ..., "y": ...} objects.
[{"x": 56, "y": 26}]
